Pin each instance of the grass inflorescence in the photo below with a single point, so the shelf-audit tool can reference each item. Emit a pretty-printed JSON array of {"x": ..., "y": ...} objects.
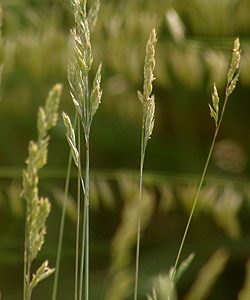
[
  {"x": 86, "y": 97},
  {"x": 37, "y": 208},
  {"x": 147, "y": 101},
  {"x": 86, "y": 103}
]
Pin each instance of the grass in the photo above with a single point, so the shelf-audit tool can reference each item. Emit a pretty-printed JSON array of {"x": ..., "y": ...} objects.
[
  {"x": 148, "y": 107},
  {"x": 86, "y": 102},
  {"x": 37, "y": 208}
]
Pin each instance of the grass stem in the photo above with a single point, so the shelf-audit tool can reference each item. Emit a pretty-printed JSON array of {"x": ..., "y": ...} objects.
[
  {"x": 139, "y": 218},
  {"x": 79, "y": 177},
  {"x": 200, "y": 183},
  {"x": 62, "y": 222}
]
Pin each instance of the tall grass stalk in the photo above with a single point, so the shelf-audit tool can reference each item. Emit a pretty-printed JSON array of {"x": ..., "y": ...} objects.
[
  {"x": 37, "y": 208},
  {"x": 86, "y": 105},
  {"x": 217, "y": 115},
  {"x": 78, "y": 209},
  {"x": 148, "y": 106},
  {"x": 62, "y": 222}
]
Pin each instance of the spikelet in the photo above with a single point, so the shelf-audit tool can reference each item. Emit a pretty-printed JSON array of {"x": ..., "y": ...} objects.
[
  {"x": 233, "y": 72},
  {"x": 93, "y": 15},
  {"x": 232, "y": 78},
  {"x": 96, "y": 94},
  {"x": 38, "y": 208},
  {"x": 214, "y": 108},
  {"x": 70, "y": 135}
]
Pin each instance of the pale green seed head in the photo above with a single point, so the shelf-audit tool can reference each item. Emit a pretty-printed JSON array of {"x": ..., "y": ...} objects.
[
  {"x": 235, "y": 61},
  {"x": 149, "y": 65}
]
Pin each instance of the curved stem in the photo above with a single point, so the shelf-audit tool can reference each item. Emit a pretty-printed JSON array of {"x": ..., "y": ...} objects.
[
  {"x": 195, "y": 201},
  {"x": 200, "y": 183}
]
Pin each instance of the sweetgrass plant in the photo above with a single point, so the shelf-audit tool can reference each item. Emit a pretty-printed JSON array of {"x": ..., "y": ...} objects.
[
  {"x": 217, "y": 111},
  {"x": 37, "y": 208},
  {"x": 148, "y": 110},
  {"x": 86, "y": 104}
]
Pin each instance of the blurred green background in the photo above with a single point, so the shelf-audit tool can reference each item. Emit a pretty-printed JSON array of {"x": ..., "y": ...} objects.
[{"x": 195, "y": 39}]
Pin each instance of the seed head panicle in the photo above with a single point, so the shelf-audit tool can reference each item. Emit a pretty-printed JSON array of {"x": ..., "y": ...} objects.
[
  {"x": 146, "y": 98},
  {"x": 86, "y": 103},
  {"x": 149, "y": 66},
  {"x": 38, "y": 208}
]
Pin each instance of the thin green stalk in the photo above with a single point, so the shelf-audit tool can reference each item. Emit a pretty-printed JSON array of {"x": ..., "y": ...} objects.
[
  {"x": 78, "y": 210},
  {"x": 148, "y": 106},
  {"x": 83, "y": 251},
  {"x": 87, "y": 224},
  {"x": 62, "y": 222},
  {"x": 201, "y": 182},
  {"x": 139, "y": 218},
  {"x": 25, "y": 258},
  {"x": 195, "y": 201}
]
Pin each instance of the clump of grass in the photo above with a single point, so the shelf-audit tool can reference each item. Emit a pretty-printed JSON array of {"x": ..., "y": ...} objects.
[
  {"x": 37, "y": 208},
  {"x": 147, "y": 101},
  {"x": 86, "y": 104},
  {"x": 217, "y": 113}
]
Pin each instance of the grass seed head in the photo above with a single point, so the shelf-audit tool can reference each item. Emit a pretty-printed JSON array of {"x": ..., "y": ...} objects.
[{"x": 149, "y": 66}]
